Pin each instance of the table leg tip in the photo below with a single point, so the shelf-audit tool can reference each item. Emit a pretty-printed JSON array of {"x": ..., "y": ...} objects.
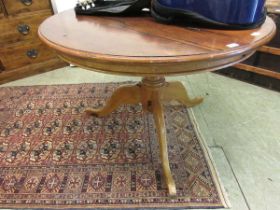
[
  {"x": 172, "y": 191},
  {"x": 91, "y": 112}
]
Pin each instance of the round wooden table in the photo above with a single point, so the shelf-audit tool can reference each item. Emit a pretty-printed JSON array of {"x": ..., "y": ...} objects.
[{"x": 140, "y": 46}]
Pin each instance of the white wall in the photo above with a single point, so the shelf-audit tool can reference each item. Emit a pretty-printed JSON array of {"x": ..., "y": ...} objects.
[{"x": 61, "y": 5}]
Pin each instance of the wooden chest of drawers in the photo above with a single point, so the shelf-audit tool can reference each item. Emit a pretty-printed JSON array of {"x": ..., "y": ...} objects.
[{"x": 21, "y": 52}]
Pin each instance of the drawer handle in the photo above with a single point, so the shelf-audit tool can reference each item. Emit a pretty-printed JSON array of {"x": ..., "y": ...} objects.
[
  {"x": 26, "y": 2},
  {"x": 23, "y": 29},
  {"x": 32, "y": 53}
]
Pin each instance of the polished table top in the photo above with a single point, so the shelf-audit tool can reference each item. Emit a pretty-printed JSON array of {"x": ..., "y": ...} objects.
[{"x": 142, "y": 46}]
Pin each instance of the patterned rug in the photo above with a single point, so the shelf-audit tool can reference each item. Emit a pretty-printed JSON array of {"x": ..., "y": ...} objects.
[{"x": 53, "y": 155}]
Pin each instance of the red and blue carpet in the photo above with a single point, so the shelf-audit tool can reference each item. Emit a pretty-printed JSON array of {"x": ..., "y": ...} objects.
[{"x": 52, "y": 155}]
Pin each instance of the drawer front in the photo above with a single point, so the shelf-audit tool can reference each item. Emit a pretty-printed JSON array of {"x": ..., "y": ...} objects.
[
  {"x": 21, "y": 28},
  {"x": 21, "y": 6},
  {"x": 25, "y": 54}
]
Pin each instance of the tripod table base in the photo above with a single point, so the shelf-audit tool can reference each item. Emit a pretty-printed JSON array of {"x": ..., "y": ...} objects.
[{"x": 151, "y": 92}]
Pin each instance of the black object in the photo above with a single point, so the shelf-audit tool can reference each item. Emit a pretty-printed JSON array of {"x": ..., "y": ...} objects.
[
  {"x": 23, "y": 29},
  {"x": 32, "y": 53},
  {"x": 232, "y": 14},
  {"x": 111, "y": 7}
]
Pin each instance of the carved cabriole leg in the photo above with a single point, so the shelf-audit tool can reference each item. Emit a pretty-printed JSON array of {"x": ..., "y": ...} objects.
[
  {"x": 151, "y": 92},
  {"x": 177, "y": 91},
  {"x": 127, "y": 94},
  {"x": 158, "y": 112}
]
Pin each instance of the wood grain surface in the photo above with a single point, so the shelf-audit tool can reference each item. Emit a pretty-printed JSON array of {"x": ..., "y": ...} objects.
[
  {"x": 14, "y": 7},
  {"x": 142, "y": 46},
  {"x": 9, "y": 55},
  {"x": 9, "y": 27}
]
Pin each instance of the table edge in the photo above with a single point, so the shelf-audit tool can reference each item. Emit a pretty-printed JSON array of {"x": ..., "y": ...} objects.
[{"x": 157, "y": 59}]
